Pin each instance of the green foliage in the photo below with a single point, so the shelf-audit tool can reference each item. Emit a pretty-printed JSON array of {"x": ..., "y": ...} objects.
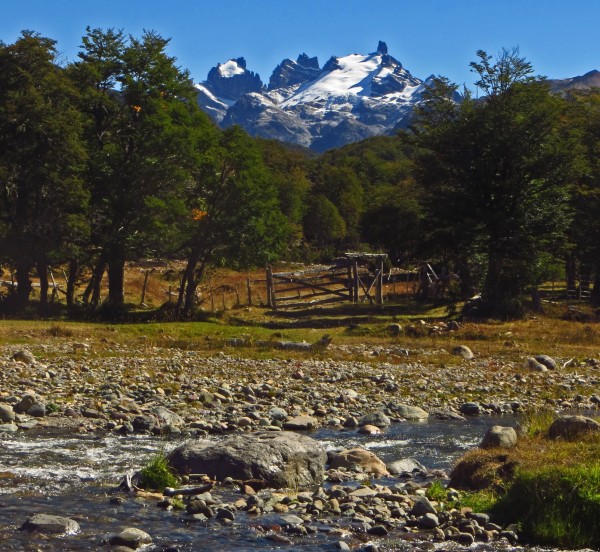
[
  {"x": 555, "y": 505},
  {"x": 156, "y": 474},
  {"x": 494, "y": 174},
  {"x": 42, "y": 198},
  {"x": 437, "y": 491}
]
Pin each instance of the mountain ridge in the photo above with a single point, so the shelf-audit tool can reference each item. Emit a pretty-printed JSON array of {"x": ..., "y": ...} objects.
[{"x": 348, "y": 99}]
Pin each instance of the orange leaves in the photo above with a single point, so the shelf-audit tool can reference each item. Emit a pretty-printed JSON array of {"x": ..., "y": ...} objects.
[{"x": 198, "y": 214}]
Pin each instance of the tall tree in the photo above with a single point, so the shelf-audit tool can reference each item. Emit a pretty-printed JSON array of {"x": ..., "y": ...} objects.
[
  {"x": 232, "y": 215},
  {"x": 495, "y": 173},
  {"x": 145, "y": 133},
  {"x": 584, "y": 233},
  {"x": 42, "y": 198}
]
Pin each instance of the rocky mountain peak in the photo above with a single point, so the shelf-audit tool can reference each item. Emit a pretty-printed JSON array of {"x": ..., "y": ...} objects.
[
  {"x": 230, "y": 80},
  {"x": 306, "y": 61},
  {"x": 382, "y": 48},
  {"x": 350, "y": 98},
  {"x": 291, "y": 73}
]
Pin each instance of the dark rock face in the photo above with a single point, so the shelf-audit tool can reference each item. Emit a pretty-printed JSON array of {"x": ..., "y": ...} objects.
[
  {"x": 234, "y": 86},
  {"x": 282, "y": 459},
  {"x": 289, "y": 73}
]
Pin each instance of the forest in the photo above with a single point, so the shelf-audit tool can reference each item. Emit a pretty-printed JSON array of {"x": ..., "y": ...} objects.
[{"x": 108, "y": 159}]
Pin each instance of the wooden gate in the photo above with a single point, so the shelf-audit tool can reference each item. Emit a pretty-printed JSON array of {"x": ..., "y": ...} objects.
[{"x": 354, "y": 278}]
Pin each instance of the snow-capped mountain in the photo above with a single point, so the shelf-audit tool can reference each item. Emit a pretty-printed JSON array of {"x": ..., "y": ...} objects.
[{"x": 348, "y": 99}]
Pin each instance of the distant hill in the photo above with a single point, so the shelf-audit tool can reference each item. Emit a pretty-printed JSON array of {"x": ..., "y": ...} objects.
[{"x": 584, "y": 82}]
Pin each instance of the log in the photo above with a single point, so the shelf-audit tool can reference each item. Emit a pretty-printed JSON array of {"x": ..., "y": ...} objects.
[{"x": 188, "y": 491}]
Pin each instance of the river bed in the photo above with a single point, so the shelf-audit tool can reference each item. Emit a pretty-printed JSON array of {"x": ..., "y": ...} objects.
[{"x": 75, "y": 476}]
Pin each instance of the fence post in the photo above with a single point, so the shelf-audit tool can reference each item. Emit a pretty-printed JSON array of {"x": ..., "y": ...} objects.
[
  {"x": 355, "y": 280},
  {"x": 144, "y": 288},
  {"x": 271, "y": 301},
  {"x": 380, "y": 284},
  {"x": 249, "y": 291}
]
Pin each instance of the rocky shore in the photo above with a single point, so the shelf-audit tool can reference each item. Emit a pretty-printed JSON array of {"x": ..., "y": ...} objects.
[
  {"x": 53, "y": 387},
  {"x": 170, "y": 390}
]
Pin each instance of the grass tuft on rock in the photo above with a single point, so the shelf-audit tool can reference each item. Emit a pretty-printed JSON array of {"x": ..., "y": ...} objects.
[{"x": 156, "y": 474}]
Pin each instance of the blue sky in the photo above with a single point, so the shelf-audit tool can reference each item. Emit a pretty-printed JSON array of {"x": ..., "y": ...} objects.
[{"x": 560, "y": 38}]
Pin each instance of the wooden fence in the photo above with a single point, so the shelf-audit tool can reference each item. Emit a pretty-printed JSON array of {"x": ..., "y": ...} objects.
[{"x": 354, "y": 278}]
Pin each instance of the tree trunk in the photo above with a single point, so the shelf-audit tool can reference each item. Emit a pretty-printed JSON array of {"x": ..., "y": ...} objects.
[
  {"x": 23, "y": 283},
  {"x": 190, "y": 290},
  {"x": 42, "y": 269},
  {"x": 571, "y": 272},
  {"x": 71, "y": 280},
  {"x": 536, "y": 300},
  {"x": 116, "y": 279},
  {"x": 463, "y": 270},
  {"x": 595, "y": 295}
]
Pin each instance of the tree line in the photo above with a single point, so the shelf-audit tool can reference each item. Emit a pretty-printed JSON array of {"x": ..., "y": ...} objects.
[{"x": 108, "y": 159}]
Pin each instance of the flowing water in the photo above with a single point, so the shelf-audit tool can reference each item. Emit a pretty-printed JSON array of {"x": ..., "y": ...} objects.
[{"x": 75, "y": 475}]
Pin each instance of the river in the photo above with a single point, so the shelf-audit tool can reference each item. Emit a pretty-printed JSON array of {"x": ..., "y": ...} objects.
[{"x": 75, "y": 476}]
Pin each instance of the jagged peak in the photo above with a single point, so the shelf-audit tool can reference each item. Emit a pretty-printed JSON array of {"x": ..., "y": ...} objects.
[
  {"x": 332, "y": 64},
  {"x": 306, "y": 61},
  {"x": 382, "y": 48}
]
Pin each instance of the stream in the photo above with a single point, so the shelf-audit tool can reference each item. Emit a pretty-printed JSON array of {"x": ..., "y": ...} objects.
[{"x": 75, "y": 476}]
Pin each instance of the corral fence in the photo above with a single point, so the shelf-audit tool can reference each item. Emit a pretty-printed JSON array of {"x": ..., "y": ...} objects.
[{"x": 354, "y": 278}]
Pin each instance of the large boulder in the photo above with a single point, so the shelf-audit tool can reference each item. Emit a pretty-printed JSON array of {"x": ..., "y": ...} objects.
[
  {"x": 45, "y": 523},
  {"x": 130, "y": 537},
  {"x": 282, "y": 459},
  {"x": 499, "y": 436},
  {"x": 409, "y": 412},
  {"x": 571, "y": 427},
  {"x": 362, "y": 459}
]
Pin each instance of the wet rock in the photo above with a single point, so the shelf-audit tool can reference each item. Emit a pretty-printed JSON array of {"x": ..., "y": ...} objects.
[
  {"x": 378, "y": 530},
  {"x": 130, "y": 537},
  {"x": 405, "y": 465},
  {"x": 362, "y": 459},
  {"x": 570, "y": 427},
  {"x": 45, "y": 523},
  {"x": 499, "y": 436},
  {"x": 470, "y": 409},
  {"x": 378, "y": 419},
  {"x": 282, "y": 459},
  {"x": 370, "y": 430}
]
